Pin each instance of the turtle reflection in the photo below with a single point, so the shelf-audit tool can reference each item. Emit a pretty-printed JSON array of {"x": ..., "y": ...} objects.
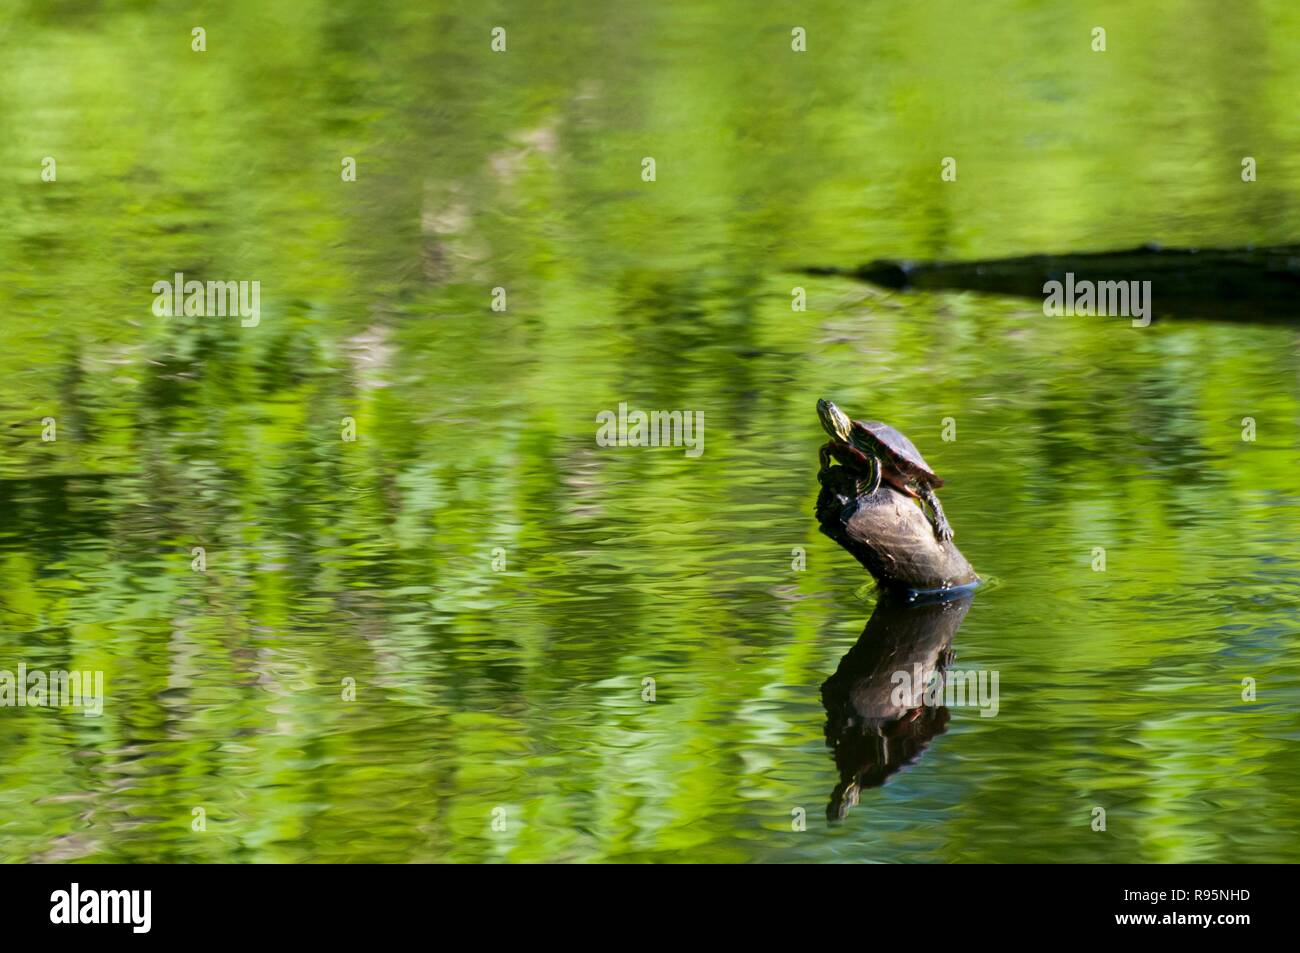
[{"x": 871, "y": 733}]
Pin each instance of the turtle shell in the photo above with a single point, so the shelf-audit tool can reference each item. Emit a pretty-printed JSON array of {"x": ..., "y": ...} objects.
[{"x": 896, "y": 449}]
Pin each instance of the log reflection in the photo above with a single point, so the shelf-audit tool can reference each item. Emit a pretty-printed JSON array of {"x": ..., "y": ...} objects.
[{"x": 873, "y": 729}]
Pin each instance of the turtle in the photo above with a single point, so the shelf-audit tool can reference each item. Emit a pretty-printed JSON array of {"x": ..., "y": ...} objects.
[{"x": 880, "y": 453}]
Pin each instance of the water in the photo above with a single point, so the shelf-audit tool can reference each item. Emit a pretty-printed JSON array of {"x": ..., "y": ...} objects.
[{"x": 516, "y": 696}]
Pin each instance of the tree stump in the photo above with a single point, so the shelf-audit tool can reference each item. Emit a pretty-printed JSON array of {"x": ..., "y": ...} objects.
[{"x": 890, "y": 535}]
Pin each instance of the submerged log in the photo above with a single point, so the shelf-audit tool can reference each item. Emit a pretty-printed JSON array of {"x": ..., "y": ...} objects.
[
  {"x": 890, "y": 535},
  {"x": 1256, "y": 284}
]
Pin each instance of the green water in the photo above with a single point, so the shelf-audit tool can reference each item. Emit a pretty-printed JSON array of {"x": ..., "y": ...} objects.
[{"x": 511, "y": 695}]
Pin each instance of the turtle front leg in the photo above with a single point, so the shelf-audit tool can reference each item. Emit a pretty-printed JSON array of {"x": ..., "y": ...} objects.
[
  {"x": 941, "y": 528},
  {"x": 824, "y": 455},
  {"x": 870, "y": 484}
]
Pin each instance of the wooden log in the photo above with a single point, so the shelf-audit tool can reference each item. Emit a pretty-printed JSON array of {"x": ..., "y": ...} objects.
[
  {"x": 1245, "y": 284},
  {"x": 890, "y": 535}
]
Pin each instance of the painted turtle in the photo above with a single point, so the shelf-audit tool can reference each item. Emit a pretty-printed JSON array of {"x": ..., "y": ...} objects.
[{"x": 881, "y": 453}]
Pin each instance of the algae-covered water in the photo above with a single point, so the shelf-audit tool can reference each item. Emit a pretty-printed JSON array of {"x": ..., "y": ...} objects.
[{"x": 473, "y": 632}]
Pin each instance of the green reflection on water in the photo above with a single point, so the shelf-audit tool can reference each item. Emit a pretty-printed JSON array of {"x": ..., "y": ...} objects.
[{"x": 522, "y": 689}]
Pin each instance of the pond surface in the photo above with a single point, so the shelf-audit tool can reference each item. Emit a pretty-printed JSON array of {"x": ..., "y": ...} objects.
[{"x": 494, "y": 587}]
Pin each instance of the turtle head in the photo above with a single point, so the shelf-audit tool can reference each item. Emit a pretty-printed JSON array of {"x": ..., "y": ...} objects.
[{"x": 835, "y": 421}]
